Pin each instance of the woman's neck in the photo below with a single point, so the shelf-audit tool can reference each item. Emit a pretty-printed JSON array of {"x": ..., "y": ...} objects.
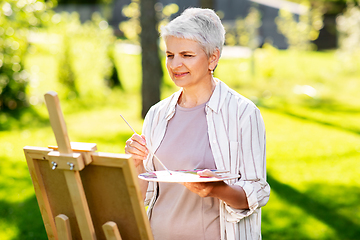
[{"x": 192, "y": 97}]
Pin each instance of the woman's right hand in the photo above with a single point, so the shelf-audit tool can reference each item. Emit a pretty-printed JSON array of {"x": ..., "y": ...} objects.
[{"x": 136, "y": 146}]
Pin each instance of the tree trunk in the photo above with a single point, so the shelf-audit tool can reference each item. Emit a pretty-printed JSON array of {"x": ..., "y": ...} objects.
[
  {"x": 151, "y": 65},
  {"x": 207, "y": 4}
]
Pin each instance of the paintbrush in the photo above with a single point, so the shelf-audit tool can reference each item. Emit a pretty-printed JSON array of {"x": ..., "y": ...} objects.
[{"x": 151, "y": 152}]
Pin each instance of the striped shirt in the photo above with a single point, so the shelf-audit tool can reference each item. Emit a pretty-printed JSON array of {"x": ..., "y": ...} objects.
[{"x": 237, "y": 138}]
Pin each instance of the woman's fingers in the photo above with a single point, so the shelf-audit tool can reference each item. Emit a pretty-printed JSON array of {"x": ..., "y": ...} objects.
[
  {"x": 136, "y": 146},
  {"x": 139, "y": 139},
  {"x": 201, "y": 189},
  {"x": 207, "y": 173}
]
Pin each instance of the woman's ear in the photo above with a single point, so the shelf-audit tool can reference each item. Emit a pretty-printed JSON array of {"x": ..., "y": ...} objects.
[{"x": 214, "y": 59}]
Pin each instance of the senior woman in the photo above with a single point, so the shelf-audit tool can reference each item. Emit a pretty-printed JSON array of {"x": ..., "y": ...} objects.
[{"x": 205, "y": 125}]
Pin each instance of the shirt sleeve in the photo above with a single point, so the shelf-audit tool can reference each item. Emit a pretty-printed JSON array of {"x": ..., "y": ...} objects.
[
  {"x": 252, "y": 166},
  {"x": 147, "y": 163}
]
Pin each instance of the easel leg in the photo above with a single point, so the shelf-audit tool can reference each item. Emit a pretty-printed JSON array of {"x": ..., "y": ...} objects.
[
  {"x": 63, "y": 227},
  {"x": 81, "y": 208},
  {"x": 111, "y": 231}
]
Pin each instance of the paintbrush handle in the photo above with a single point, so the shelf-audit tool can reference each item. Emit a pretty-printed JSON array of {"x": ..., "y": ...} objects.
[
  {"x": 159, "y": 160},
  {"x": 147, "y": 147}
]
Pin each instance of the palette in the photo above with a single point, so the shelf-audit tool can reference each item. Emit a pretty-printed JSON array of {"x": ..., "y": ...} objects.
[{"x": 179, "y": 176}]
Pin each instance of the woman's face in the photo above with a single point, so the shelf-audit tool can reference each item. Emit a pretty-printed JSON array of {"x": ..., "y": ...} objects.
[{"x": 186, "y": 62}]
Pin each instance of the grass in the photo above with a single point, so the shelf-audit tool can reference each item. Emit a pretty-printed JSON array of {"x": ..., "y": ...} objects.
[
  {"x": 314, "y": 188},
  {"x": 313, "y": 143}
]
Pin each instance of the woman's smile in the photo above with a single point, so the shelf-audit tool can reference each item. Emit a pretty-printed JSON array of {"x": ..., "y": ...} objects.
[{"x": 180, "y": 74}]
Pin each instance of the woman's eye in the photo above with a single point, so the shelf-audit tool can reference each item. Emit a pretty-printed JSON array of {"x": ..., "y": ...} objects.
[
  {"x": 187, "y": 55},
  {"x": 169, "y": 56}
]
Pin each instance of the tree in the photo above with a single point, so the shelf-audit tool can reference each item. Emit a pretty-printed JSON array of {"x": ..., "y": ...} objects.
[
  {"x": 152, "y": 73},
  {"x": 145, "y": 18},
  {"x": 300, "y": 33}
]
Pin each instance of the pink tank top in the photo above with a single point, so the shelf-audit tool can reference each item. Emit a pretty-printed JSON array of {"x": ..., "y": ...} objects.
[{"x": 178, "y": 213}]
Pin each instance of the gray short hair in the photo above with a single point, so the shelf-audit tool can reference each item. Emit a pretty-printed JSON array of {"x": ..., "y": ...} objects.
[{"x": 200, "y": 25}]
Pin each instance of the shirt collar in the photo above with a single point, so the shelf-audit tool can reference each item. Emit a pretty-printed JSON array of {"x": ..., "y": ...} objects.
[
  {"x": 171, "y": 107},
  {"x": 215, "y": 102},
  {"x": 218, "y": 97}
]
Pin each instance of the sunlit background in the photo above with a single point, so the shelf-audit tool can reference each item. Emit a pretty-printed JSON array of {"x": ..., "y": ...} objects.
[{"x": 299, "y": 61}]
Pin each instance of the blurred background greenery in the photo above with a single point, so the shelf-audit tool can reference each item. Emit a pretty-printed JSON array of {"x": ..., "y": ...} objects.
[{"x": 308, "y": 98}]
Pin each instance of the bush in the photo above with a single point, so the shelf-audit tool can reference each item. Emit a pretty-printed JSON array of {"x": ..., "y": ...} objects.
[
  {"x": 16, "y": 19},
  {"x": 348, "y": 26},
  {"x": 82, "y": 54}
]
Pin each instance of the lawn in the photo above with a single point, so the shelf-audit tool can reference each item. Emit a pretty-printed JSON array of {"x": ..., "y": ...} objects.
[{"x": 313, "y": 140}]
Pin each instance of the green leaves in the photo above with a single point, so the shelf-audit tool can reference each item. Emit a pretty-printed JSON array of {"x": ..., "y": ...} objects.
[{"x": 17, "y": 18}]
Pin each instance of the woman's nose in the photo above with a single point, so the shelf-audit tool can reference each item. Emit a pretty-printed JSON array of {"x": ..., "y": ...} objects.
[{"x": 176, "y": 62}]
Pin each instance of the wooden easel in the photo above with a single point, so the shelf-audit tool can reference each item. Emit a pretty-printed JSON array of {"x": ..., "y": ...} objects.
[{"x": 83, "y": 194}]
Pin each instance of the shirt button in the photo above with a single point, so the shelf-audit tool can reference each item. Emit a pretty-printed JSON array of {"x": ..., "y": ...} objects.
[{"x": 214, "y": 141}]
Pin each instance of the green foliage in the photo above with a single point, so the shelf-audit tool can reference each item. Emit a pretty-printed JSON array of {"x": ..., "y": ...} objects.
[
  {"x": 17, "y": 18},
  {"x": 348, "y": 26},
  {"x": 81, "y": 51},
  {"x": 113, "y": 79},
  {"x": 164, "y": 13},
  {"x": 332, "y": 6},
  {"x": 132, "y": 29},
  {"x": 299, "y": 34},
  {"x": 246, "y": 32},
  {"x": 31, "y": 28},
  {"x": 323, "y": 1},
  {"x": 84, "y": 1}
]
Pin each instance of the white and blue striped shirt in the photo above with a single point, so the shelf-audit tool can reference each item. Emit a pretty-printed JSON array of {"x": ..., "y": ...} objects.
[{"x": 237, "y": 138}]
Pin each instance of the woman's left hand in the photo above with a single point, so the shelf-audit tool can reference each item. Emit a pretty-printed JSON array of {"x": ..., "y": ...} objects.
[
  {"x": 231, "y": 194},
  {"x": 204, "y": 189}
]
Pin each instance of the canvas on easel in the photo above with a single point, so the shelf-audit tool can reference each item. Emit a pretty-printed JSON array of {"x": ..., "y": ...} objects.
[{"x": 84, "y": 194}]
